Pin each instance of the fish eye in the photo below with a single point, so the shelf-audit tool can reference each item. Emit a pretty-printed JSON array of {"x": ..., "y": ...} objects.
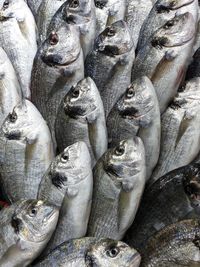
[
  {"x": 76, "y": 93},
  {"x": 112, "y": 252},
  {"x": 64, "y": 157},
  {"x": 33, "y": 212},
  {"x": 6, "y": 4},
  {"x": 13, "y": 117},
  {"x": 74, "y": 4},
  {"x": 100, "y": 4},
  {"x": 130, "y": 92},
  {"x": 53, "y": 38},
  {"x": 111, "y": 32},
  {"x": 119, "y": 151},
  {"x": 169, "y": 24}
]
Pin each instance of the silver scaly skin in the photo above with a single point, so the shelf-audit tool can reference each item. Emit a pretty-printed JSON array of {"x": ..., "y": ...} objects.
[
  {"x": 34, "y": 6},
  {"x": 26, "y": 151},
  {"x": 119, "y": 180},
  {"x": 18, "y": 39},
  {"x": 81, "y": 118},
  {"x": 26, "y": 228}
]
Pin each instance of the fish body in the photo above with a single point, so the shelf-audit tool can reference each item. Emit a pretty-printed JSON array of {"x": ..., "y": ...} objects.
[
  {"x": 80, "y": 14},
  {"x": 119, "y": 179},
  {"x": 176, "y": 245},
  {"x": 172, "y": 198},
  {"x": 180, "y": 128},
  {"x": 77, "y": 180},
  {"x": 26, "y": 151},
  {"x": 110, "y": 64},
  {"x": 10, "y": 90},
  {"x": 89, "y": 251},
  {"x": 18, "y": 39},
  {"x": 81, "y": 118},
  {"x": 137, "y": 113},
  {"x": 194, "y": 67},
  {"x": 164, "y": 59},
  {"x": 57, "y": 66},
  {"x": 26, "y": 228},
  {"x": 34, "y": 6}
]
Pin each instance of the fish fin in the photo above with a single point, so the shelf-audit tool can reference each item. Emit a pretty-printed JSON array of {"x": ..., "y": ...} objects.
[{"x": 182, "y": 129}]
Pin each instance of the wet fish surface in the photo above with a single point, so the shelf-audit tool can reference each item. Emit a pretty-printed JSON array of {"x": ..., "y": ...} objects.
[
  {"x": 89, "y": 251},
  {"x": 165, "y": 58},
  {"x": 26, "y": 151},
  {"x": 18, "y": 39},
  {"x": 172, "y": 198},
  {"x": 194, "y": 67},
  {"x": 180, "y": 128},
  {"x": 119, "y": 179},
  {"x": 34, "y": 6},
  {"x": 26, "y": 227},
  {"x": 110, "y": 64},
  {"x": 137, "y": 113},
  {"x": 81, "y": 118}
]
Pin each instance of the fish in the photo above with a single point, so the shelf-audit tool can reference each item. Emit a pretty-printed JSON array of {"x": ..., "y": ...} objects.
[
  {"x": 163, "y": 11},
  {"x": 136, "y": 13},
  {"x": 165, "y": 58},
  {"x": 77, "y": 198},
  {"x": 26, "y": 151},
  {"x": 89, "y": 251},
  {"x": 58, "y": 65},
  {"x": 137, "y": 113},
  {"x": 26, "y": 228},
  {"x": 173, "y": 197},
  {"x": 34, "y": 6},
  {"x": 10, "y": 90},
  {"x": 110, "y": 63},
  {"x": 108, "y": 12},
  {"x": 175, "y": 246},
  {"x": 180, "y": 131},
  {"x": 45, "y": 13},
  {"x": 119, "y": 180},
  {"x": 18, "y": 39},
  {"x": 80, "y": 14},
  {"x": 81, "y": 117},
  {"x": 194, "y": 67}
]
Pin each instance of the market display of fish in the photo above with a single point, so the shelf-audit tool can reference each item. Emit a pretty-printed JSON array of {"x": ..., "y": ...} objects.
[{"x": 99, "y": 133}]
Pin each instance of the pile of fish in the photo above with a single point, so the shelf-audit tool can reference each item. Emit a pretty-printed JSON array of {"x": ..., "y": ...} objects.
[{"x": 99, "y": 133}]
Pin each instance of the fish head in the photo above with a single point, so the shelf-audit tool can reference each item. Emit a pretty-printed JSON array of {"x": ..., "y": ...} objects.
[
  {"x": 83, "y": 100},
  {"x": 114, "y": 40},
  {"x": 125, "y": 161},
  {"x": 138, "y": 102},
  {"x": 165, "y": 6},
  {"x": 34, "y": 220},
  {"x": 71, "y": 166},
  {"x": 10, "y": 8},
  {"x": 176, "y": 32},
  {"x": 61, "y": 48},
  {"x": 107, "y": 252}
]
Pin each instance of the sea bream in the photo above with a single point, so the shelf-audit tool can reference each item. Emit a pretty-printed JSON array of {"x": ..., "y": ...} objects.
[
  {"x": 174, "y": 197},
  {"x": 180, "y": 131},
  {"x": 88, "y": 251},
  {"x": 18, "y": 39},
  {"x": 10, "y": 90},
  {"x": 137, "y": 113},
  {"x": 80, "y": 14},
  {"x": 58, "y": 65},
  {"x": 81, "y": 118},
  {"x": 108, "y": 12},
  {"x": 26, "y": 151},
  {"x": 26, "y": 228},
  {"x": 164, "y": 59},
  {"x": 34, "y": 6},
  {"x": 110, "y": 63},
  {"x": 119, "y": 180}
]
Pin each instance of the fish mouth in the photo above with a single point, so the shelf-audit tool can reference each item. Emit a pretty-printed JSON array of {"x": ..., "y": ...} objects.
[
  {"x": 74, "y": 111},
  {"x": 2, "y": 18},
  {"x": 132, "y": 113}
]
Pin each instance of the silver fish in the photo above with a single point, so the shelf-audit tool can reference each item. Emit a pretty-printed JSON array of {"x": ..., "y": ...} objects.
[
  {"x": 119, "y": 180},
  {"x": 180, "y": 135},
  {"x": 26, "y": 151},
  {"x": 45, "y": 13},
  {"x": 110, "y": 64},
  {"x": 137, "y": 113},
  {"x": 26, "y": 228},
  {"x": 18, "y": 39},
  {"x": 10, "y": 90},
  {"x": 34, "y": 6},
  {"x": 57, "y": 66},
  {"x": 165, "y": 57},
  {"x": 79, "y": 14},
  {"x": 75, "y": 210},
  {"x": 81, "y": 118}
]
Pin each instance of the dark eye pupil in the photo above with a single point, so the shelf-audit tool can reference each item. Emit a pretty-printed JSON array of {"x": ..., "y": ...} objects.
[
  {"x": 113, "y": 252},
  {"x": 13, "y": 117},
  {"x": 111, "y": 32},
  {"x": 65, "y": 157},
  {"x": 130, "y": 93},
  {"x": 6, "y": 4},
  {"x": 33, "y": 211},
  {"x": 76, "y": 93},
  {"x": 119, "y": 150},
  {"x": 75, "y": 4}
]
